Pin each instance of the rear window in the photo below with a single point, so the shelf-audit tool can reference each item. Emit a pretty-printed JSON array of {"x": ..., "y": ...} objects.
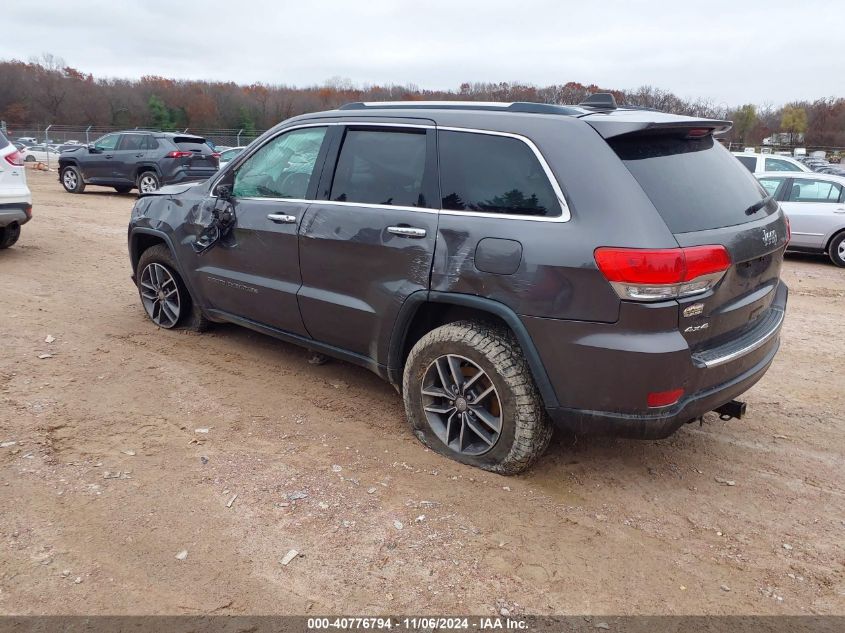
[
  {"x": 192, "y": 144},
  {"x": 3, "y": 140},
  {"x": 695, "y": 184}
]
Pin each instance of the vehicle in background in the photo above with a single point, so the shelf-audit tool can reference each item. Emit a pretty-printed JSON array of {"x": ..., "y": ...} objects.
[
  {"x": 815, "y": 206},
  {"x": 28, "y": 140},
  {"x": 228, "y": 154},
  {"x": 137, "y": 159},
  {"x": 463, "y": 252},
  {"x": 40, "y": 153},
  {"x": 15, "y": 197},
  {"x": 757, "y": 163}
]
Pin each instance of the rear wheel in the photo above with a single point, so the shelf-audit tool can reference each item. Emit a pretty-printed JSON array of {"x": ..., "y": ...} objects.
[
  {"x": 72, "y": 180},
  {"x": 30, "y": 159},
  {"x": 163, "y": 293},
  {"x": 123, "y": 189},
  {"x": 9, "y": 235},
  {"x": 148, "y": 182},
  {"x": 469, "y": 395},
  {"x": 837, "y": 250}
]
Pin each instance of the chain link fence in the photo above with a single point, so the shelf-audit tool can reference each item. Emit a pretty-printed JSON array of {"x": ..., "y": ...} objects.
[{"x": 90, "y": 133}]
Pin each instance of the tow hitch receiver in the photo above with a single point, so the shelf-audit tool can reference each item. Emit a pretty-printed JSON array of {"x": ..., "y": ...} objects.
[{"x": 732, "y": 409}]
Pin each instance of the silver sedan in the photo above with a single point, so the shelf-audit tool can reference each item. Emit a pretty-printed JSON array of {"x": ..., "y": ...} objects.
[{"x": 815, "y": 206}]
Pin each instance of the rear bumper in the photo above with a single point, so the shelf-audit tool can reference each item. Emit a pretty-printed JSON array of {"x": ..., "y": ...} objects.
[
  {"x": 603, "y": 373},
  {"x": 20, "y": 212},
  {"x": 188, "y": 176}
]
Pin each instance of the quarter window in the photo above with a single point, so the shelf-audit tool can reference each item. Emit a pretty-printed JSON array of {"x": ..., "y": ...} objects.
[
  {"x": 282, "y": 168},
  {"x": 807, "y": 190},
  {"x": 493, "y": 174},
  {"x": 379, "y": 167},
  {"x": 771, "y": 185},
  {"x": 775, "y": 164}
]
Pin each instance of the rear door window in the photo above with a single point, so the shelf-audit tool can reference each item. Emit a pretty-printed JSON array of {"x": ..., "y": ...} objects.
[
  {"x": 493, "y": 174},
  {"x": 777, "y": 164},
  {"x": 810, "y": 190},
  {"x": 381, "y": 167},
  {"x": 750, "y": 162},
  {"x": 132, "y": 142},
  {"x": 695, "y": 184}
]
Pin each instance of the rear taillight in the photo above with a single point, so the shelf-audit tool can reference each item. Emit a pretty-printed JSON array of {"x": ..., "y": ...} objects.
[
  {"x": 15, "y": 158},
  {"x": 663, "y": 398},
  {"x": 178, "y": 154},
  {"x": 217, "y": 155},
  {"x": 657, "y": 274}
]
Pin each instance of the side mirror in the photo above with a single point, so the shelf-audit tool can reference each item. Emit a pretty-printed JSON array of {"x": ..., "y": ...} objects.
[
  {"x": 224, "y": 192},
  {"x": 92, "y": 149}
]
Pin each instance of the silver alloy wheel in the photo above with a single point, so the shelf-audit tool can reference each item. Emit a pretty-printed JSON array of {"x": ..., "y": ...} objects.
[
  {"x": 70, "y": 179},
  {"x": 461, "y": 405},
  {"x": 841, "y": 250},
  {"x": 147, "y": 184},
  {"x": 160, "y": 295}
]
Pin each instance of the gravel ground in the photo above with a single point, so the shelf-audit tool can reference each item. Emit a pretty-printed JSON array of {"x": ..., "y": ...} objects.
[{"x": 107, "y": 472}]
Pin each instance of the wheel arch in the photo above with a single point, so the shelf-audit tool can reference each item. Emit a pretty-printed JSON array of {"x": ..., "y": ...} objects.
[
  {"x": 423, "y": 311},
  {"x": 142, "y": 167},
  {"x": 834, "y": 234}
]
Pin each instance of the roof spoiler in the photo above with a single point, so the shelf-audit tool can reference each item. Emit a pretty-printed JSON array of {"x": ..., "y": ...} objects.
[
  {"x": 600, "y": 101},
  {"x": 689, "y": 126}
]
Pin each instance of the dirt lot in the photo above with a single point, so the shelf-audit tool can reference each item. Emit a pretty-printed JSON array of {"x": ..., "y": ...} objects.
[{"x": 599, "y": 526}]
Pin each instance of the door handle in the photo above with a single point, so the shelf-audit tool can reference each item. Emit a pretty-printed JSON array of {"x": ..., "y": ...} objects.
[
  {"x": 406, "y": 231},
  {"x": 839, "y": 210},
  {"x": 109, "y": 156},
  {"x": 281, "y": 218},
  {"x": 139, "y": 155}
]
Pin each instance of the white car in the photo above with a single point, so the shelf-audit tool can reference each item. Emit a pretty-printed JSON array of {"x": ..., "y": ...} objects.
[
  {"x": 41, "y": 153},
  {"x": 815, "y": 206},
  {"x": 15, "y": 198},
  {"x": 759, "y": 163},
  {"x": 229, "y": 154}
]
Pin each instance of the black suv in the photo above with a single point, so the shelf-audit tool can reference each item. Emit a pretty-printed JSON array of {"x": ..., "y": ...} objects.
[
  {"x": 146, "y": 160},
  {"x": 503, "y": 265}
]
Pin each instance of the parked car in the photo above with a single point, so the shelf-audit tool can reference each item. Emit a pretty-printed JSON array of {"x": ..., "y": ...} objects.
[
  {"x": 464, "y": 253},
  {"x": 815, "y": 206},
  {"x": 40, "y": 153},
  {"x": 228, "y": 154},
  {"x": 28, "y": 140},
  {"x": 146, "y": 160},
  {"x": 15, "y": 198},
  {"x": 756, "y": 163}
]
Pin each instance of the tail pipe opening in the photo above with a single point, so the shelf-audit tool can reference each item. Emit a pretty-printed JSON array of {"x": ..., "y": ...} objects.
[{"x": 732, "y": 409}]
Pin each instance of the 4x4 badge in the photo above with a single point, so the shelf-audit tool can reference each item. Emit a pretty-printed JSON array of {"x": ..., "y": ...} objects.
[{"x": 694, "y": 310}]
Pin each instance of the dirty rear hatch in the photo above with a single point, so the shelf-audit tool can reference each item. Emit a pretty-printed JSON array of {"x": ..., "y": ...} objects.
[{"x": 706, "y": 197}]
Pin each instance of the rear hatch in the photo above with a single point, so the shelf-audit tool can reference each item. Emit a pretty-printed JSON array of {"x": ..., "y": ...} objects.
[
  {"x": 706, "y": 197},
  {"x": 195, "y": 155}
]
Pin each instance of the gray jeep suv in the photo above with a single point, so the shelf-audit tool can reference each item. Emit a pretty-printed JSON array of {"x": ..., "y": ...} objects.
[{"x": 506, "y": 266}]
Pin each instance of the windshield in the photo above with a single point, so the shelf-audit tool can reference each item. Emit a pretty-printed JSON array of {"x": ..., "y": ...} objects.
[{"x": 695, "y": 184}]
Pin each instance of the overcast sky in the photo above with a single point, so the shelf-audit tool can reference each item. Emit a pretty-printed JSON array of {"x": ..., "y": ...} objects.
[{"x": 732, "y": 52}]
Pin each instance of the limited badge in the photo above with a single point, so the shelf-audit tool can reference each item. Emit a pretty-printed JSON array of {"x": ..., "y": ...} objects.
[{"x": 694, "y": 310}]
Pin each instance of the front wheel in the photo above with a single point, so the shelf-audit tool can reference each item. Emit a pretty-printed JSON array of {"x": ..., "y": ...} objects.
[
  {"x": 148, "y": 182},
  {"x": 163, "y": 293},
  {"x": 837, "y": 250},
  {"x": 72, "y": 180},
  {"x": 469, "y": 395}
]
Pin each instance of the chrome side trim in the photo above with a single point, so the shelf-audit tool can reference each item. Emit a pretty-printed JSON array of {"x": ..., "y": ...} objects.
[
  {"x": 773, "y": 331},
  {"x": 565, "y": 214},
  {"x": 802, "y": 233}
]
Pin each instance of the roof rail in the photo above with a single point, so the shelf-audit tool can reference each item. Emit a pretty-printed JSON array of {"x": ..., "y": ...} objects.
[
  {"x": 600, "y": 101},
  {"x": 517, "y": 106}
]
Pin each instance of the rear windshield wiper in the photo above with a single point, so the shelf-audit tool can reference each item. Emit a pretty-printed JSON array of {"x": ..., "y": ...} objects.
[{"x": 754, "y": 208}]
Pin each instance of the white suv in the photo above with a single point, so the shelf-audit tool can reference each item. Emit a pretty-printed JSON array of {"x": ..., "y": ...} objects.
[
  {"x": 758, "y": 163},
  {"x": 15, "y": 197}
]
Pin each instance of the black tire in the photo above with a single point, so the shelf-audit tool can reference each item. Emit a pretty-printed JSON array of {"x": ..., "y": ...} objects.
[
  {"x": 9, "y": 235},
  {"x": 525, "y": 430},
  {"x": 123, "y": 189},
  {"x": 836, "y": 251},
  {"x": 30, "y": 159},
  {"x": 190, "y": 316},
  {"x": 147, "y": 182},
  {"x": 72, "y": 179}
]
